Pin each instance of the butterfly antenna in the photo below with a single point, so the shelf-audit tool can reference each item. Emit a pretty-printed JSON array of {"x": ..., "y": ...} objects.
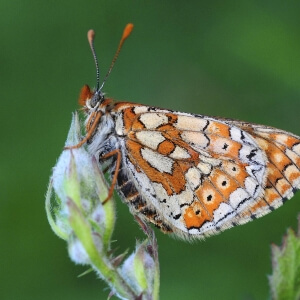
[
  {"x": 127, "y": 31},
  {"x": 91, "y": 37}
]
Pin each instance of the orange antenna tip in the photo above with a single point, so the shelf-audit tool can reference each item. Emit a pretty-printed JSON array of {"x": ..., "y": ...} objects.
[
  {"x": 91, "y": 36},
  {"x": 127, "y": 31}
]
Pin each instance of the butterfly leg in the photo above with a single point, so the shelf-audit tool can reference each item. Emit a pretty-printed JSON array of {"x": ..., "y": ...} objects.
[{"x": 116, "y": 152}]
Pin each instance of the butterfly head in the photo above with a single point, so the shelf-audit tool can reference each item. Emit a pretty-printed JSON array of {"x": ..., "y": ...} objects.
[{"x": 89, "y": 99}]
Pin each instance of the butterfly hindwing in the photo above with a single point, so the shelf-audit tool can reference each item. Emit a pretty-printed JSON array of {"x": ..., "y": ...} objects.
[
  {"x": 282, "y": 150},
  {"x": 201, "y": 175}
]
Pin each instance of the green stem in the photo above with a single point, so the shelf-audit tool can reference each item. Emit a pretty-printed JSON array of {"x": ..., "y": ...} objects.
[{"x": 98, "y": 259}]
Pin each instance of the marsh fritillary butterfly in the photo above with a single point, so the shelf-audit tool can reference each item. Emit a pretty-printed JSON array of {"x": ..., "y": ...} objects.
[{"x": 189, "y": 174}]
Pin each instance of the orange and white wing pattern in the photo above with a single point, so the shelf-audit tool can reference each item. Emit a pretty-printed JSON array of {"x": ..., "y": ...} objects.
[
  {"x": 282, "y": 150},
  {"x": 195, "y": 176}
]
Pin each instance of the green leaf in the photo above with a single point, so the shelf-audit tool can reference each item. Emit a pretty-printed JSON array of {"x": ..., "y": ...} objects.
[{"x": 285, "y": 280}]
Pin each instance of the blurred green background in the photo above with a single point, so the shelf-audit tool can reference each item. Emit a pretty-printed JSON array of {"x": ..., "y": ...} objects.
[{"x": 236, "y": 59}]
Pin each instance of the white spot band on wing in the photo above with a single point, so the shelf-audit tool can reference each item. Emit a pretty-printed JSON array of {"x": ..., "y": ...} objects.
[{"x": 158, "y": 161}]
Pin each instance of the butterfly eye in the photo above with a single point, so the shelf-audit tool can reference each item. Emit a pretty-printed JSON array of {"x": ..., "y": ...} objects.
[
  {"x": 98, "y": 97},
  {"x": 85, "y": 94}
]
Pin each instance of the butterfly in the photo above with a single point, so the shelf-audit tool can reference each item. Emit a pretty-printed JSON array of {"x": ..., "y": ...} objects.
[{"x": 189, "y": 174}]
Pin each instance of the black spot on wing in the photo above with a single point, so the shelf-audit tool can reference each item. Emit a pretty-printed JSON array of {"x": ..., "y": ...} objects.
[
  {"x": 209, "y": 197},
  {"x": 176, "y": 217},
  {"x": 251, "y": 154}
]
